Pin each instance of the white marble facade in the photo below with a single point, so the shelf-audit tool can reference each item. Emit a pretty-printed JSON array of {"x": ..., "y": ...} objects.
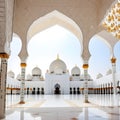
[
  {"x": 58, "y": 80},
  {"x": 57, "y": 77}
]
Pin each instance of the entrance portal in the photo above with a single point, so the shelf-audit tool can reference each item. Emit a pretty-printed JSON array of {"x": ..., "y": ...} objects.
[{"x": 57, "y": 89}]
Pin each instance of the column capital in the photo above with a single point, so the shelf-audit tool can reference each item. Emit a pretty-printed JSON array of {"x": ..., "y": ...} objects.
[
  {"x": 4, "y": 55},
  {"x": 113, "y": 60},
  {"x": 21, "y": 102},
  {"x": 23, "y": 64},
  {"x": 85, "y": 66}
]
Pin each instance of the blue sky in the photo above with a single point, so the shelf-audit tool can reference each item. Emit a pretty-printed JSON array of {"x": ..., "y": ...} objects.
[{"x": 44, "y": 47}]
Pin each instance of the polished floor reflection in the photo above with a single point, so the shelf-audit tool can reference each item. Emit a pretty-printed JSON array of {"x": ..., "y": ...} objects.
[{"x": 63, "y": 107}]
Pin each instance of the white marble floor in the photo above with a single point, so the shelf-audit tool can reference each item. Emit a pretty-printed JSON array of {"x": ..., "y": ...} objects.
[{"x": 63, "y": 107}]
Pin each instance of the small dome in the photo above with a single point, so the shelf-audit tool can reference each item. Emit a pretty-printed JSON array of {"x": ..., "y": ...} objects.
[
  {"x": 75, "y": 71},
  {"x": 29, "y": 77},
  {"x": 88, "y": 77},
  {"x": 36, "y": 71},
  {"x": 99, "y": 76},
  {"x": 109, "y": 72},
  {"x": 11, "y": 74},
  {"x": 18, "y": 77},
  {"x": 57, "y": 67}
]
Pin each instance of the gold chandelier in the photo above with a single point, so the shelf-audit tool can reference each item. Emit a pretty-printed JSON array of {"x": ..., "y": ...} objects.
[{"x": 112, "y": 20}]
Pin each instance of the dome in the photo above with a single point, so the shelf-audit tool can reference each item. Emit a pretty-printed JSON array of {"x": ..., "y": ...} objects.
[
  {"x": 57, "y": 67},
  {"x": 36, "y": 71},
  {"x": 88, "y": 77},
  {"x": 29, "y": 77},
  {"x": 18, "y": 77},
  {"x": 75, "y": 71},
  {"x": 11, "y": 74},
  {"x": 99, "y": 76},
  {"x": 109, "y": 72}
]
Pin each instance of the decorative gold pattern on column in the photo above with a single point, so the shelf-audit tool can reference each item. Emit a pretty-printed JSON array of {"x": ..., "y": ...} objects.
[
  {"x": 23, "y": 64},
  {"x": 21, "y": 102},
  {"x": 85, "y": 66},
  {"x": 113, "y": 60},
  {"x": 4, "y": 55},
  {"x": 3, "y": 76}
]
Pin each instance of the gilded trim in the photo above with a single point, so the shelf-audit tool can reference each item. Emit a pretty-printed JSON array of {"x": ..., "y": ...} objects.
[
  {"x": 85, "y": 66},
  {"x": 23, "y": 64},
  {"x": 21, "y": 102},
  {"x": 113, "y": 60},
  {"x": 4, "y": 55}
]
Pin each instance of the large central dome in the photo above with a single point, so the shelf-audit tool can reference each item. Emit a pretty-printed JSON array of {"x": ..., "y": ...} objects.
[{"x": 57, "y": 66}]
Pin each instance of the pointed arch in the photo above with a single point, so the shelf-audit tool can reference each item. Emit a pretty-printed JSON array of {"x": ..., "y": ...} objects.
[
  {"x": 16, "y": 38},
  {"x": 51, "y": 19},
  {"x": 111, "y": 40},
  {"x": 105, "y": 41},
  {"x": 108, "y": 39},
  {"x": 14, "y": 59}
]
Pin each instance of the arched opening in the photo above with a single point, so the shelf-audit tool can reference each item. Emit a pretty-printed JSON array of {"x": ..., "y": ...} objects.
[
  {"x": 44, "y": 47},
  {"x": 100, "y": 56},
  {"x": 51, "y": 19},
  {"x": 14, "y": 60},
  {"x": 57, "y": 89},
  {"x": 49, "y": 23}
]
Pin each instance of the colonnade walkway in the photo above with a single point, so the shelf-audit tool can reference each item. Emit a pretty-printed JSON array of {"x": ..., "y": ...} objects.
[{"x": 63, "y": 107}]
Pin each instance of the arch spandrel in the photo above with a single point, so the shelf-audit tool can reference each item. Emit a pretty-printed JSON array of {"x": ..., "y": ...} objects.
[
  {"x": 86, "y": 54},
  {"x": 93, "y": 11},
  {"x": 23, "y": 53}
]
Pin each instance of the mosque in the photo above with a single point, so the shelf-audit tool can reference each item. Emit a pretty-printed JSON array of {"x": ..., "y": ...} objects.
[
  {"x": 57, "y": 80},
  {"x": 86, "y": 19}
]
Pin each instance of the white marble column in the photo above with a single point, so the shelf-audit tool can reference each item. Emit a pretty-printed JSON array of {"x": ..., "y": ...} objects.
[
  {"x": 3, "y": 76},
  {"x": 113, "y": 61},
  {"x": 85, "y": 67},
  {"x": 22, "y": 87},
  {"x": 22, "y": 115},
  {"x": 86, "y": 113}
]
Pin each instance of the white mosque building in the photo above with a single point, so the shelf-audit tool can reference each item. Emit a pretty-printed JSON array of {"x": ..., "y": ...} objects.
[{"x": 57, "y": 80}]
